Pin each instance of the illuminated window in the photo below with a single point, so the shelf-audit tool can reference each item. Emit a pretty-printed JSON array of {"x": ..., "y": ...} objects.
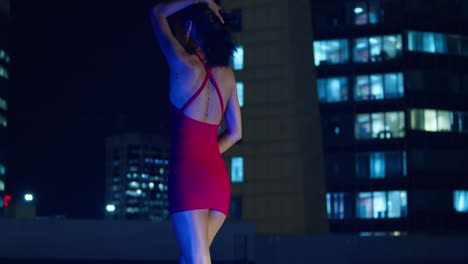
[
  {"x": 133, "y": 168},
  {"x": 397, "y": 204},
  {"x": 431, "y": 42},
  {"x": 2, "y": 186},
  {"x": 367, "y": 12},
  {"x": 237, "y": 169},
  {"x": 4, "y": 56},
  {"x": 331, "y": 51},
  {"x": 3, "y": 104},
  {"x": 460, "y": 201},
  {"x": 361, "y": 50},
  {"x": 238, "y": 58},
  {"x": 339, "y": 205},
  {"x": 133, "y": 210},
  {"x": 381, "y": 204},
  {"x": 240, "y": 93},
  {"x": 134, "y": 185},
  {"x": 392, "y": 47},
  {"x": 380, "y": 125},
  {"x": 432, "y": 120},
  {"x": 392, "y": 233},
  {"x": 4, "y": 73},
  {"x": 393, "y": 85},
  {"x": 377, "y": 48},
  {"x": 2, "y": 169},
  {"x": 378, "y": 86},
  {"x": 377, "y": 165},
  {"x": 332, "y": 90}
]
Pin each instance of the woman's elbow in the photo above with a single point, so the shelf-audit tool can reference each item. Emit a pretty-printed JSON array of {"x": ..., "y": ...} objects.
[
  {"x": 238, "y": 136},
  {"x": 157, "y": 10}
]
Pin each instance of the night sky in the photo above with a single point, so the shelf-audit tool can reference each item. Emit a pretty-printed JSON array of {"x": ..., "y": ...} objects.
[{"x": 77, "y": 68}]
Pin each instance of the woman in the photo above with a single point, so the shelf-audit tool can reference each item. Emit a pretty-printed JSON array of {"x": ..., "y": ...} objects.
[{"x": 202, "y": 89}]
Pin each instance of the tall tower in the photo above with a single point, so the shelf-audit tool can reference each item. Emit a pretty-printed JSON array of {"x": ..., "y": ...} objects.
[
  {"x": 4, "y": 76},
  {"x": 136, "y": 176},
  {"x": 393, "y": 93},
  {"x": 277, "y": 169}
]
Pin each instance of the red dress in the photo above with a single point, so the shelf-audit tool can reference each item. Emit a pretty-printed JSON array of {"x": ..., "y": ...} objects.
[{"x": 198, "y": 177}]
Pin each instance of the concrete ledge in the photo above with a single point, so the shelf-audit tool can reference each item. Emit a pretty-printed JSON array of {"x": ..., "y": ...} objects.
[{"x": 76, "y": 240}]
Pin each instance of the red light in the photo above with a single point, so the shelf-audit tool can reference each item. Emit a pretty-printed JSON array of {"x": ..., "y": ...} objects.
[{"x": 6, "y": 199}]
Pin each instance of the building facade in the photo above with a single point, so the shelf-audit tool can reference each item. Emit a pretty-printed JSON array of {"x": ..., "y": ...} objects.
[
  {"x": 392, "y": 82},
  {"x": 4, "y": 77},
  {"x": 136, "y": 176},
  {"x": 276, "y": 169}
]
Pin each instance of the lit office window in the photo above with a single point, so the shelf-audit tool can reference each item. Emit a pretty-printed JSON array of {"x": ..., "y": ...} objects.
[
  {"x": 393, "y": 85},
  {"x": 379, "y": 233},
  {"x": 367, "y": 12},
  {"x": 4, "y": 56},
  {"x": 392, "y": 47},
  {"x": 378, "y": 165},
  {"x": 378, "y": 86},
  {"x": 376, "y": 48},
  {"x": 133, "y": 210},
  {"x": 3, "y": 121},
  {"x": 237, "y": 169},
  {"x": 381, "y": 204},
  {"x": 339, "y": 205},
  {"x": 380, "y": 125},
  {"x": 370, "y": 205},
  {"x": 238, "y": 58},
  {"x": 3, "y": 104},
  {"x": 331, "y": 90},
  {"x": 397, "y": 204},
  {"x": 331, "y": 51},
  {"x": 460, "y": 201},
  {"x": 4, "y": 73},
  {"x": 432, "y": 42},
  {"x": 240, "y": 93},
  {"x": 361, "y": 50},
  {"x": 433, "y": 120}
]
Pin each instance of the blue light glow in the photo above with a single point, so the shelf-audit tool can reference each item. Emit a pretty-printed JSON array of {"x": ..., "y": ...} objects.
[
  {"x": 238, "y": 58},
  {"x": 237, "y": 169}
]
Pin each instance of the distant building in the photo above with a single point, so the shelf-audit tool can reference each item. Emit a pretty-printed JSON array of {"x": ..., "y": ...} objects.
[
  {"x": 393, "y": 92},
  {"x": 276, "y": 170},
  {"x": 4, "y": 77},
  {"x": 136, "y": 176}
]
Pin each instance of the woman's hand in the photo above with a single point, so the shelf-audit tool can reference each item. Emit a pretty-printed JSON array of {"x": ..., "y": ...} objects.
[{"x": 215, "y": 8}]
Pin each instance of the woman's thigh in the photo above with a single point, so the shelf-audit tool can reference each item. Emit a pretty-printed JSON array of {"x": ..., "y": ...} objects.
[{"x": 191, "y": 230}]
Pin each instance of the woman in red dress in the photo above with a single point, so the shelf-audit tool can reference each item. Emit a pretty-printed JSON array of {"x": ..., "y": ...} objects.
[{"x": 203, "y": 90}]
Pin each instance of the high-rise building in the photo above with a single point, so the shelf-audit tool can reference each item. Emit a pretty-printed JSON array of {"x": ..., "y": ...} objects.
[
  {"x": 136, "y": 176},
  {"x": 4, "y": 76},
  {"x": 276, "y": 170},
  {"x": 393, "y": 91}
]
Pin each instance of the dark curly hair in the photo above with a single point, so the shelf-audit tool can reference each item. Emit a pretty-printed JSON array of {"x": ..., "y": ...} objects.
[{"x": 216, "y": 38}]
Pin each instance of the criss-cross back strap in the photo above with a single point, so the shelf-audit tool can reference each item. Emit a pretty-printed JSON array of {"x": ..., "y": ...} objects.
[{"x": 208, "y": 75}]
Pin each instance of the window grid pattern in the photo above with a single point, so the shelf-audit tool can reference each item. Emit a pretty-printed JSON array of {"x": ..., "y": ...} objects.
[
  {"x": 438, "y": 43},
  {"x": 384, "y": 125},
  {"x": 437, "y": 120}
]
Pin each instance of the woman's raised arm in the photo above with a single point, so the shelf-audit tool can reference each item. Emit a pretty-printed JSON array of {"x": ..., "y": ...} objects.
[{"x": 172, "y": 49}]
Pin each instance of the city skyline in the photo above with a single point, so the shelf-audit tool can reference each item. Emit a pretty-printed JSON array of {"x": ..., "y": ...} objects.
[{"x": 77, "y": 76}]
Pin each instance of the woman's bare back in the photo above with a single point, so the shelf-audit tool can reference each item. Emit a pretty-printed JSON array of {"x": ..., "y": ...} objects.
[{"x": 206, "y": 107}]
